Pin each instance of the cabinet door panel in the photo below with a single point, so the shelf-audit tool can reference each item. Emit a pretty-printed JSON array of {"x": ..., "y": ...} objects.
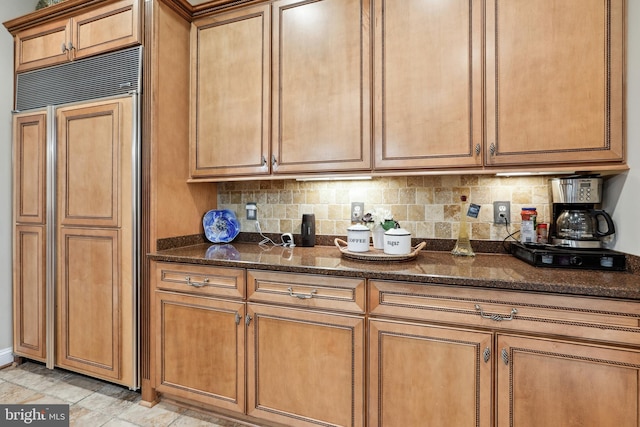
[
  {"x": 107, "y": 28},
  {"x": 43, "y": 45},
  {"x": 230, "y": 98},
  {"x": 428, "y": 104},
  {"x": 29, "y": 293},
  {"x": 89, "y": 295},
  {"x": 92, "y": 156},
  {"x": 305, "y": 368},
  {"x": 321, "y": 85},
  {"x": 549, "y": 383},
  {"x": 554, "y": 90},
  {"x": 200, "y": 349},
  {"x": 30, "y": 138},
  {"x": 424, "y": 375}
]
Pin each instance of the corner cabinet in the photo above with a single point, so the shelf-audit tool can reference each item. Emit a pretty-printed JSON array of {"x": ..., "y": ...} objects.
[
  {"x": 102, "y": 29},
  {"x": 291, "y": 92}
]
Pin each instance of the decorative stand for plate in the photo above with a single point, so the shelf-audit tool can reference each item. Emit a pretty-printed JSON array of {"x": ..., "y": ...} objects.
[{"x": 377, "y": 254}]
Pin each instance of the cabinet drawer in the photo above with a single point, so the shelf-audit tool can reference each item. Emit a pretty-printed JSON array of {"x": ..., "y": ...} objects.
[
  {"x": 579, "y": 317},
  {"x": 203, "y": 280},
  {"x": 307, "y": 290}
]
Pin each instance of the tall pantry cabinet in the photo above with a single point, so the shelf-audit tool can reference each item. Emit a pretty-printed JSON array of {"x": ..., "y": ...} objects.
[{"x": 76, "y": 200}]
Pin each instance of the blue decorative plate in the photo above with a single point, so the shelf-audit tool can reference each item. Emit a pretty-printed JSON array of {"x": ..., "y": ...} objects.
[{"x": 220, "y": 226}]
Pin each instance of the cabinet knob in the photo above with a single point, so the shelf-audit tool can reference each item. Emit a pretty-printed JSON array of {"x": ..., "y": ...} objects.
[
  {"x": 64, "y": 47},
  {"x": 492, "y": 149},
  {"x": 477, "y": 149},
  {"x": 274, "y": 161}
]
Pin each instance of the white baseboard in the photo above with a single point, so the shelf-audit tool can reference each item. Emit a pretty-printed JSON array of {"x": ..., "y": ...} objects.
[{"x": 6, "y": 356}]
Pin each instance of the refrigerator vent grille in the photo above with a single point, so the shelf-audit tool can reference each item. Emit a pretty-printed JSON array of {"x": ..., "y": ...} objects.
[{"x": 101, "y": 76}]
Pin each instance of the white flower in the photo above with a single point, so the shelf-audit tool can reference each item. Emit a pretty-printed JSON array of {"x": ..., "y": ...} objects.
[{"x": 380, "y": 215}]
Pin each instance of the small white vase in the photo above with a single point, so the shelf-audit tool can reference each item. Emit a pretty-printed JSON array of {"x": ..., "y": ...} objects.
[{"x": 377, "y": 233}]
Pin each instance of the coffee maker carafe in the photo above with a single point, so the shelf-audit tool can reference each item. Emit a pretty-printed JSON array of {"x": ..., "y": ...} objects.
[{"x": 576, "y": 221}]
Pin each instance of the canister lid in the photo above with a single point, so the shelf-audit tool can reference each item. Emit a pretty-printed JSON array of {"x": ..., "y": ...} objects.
[
  {"x": 397, "y": 232},
  {"x": 358, "y": 227}
]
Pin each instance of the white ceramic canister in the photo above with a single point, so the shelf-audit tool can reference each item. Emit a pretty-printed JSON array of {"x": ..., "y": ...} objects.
[
  {"x": 397, "y": 241},
  {"x": 358, "y": 238}
]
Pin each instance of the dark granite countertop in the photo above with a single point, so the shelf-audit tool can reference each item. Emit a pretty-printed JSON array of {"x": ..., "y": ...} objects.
[{"x": 497, "y": 271}]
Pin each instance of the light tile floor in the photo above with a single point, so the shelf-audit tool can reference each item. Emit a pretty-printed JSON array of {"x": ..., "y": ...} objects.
[{"x": 94, "y": 403}]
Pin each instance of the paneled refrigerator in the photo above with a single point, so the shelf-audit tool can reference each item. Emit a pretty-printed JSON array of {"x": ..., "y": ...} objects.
[{"x": 76, "y": 217}]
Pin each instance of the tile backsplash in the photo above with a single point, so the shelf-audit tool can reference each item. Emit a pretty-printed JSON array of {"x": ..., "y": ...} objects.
[{"x": 427, "y": 206}]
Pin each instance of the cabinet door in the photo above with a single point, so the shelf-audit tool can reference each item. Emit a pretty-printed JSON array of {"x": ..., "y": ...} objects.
[
  {"x": 94, "y": 146},
  {"x": 43, "y": 45},
  {"x": 305, "y": 368},
  {"x": 555, "y": 89},
  {"x": 321, "y": 86},
  {"x": 428, "y": 68},
  {"x": 230, "y": 63},
  {"x": 429, "y": 376},
  {"x": 29, "y": 292},
  {"x": 114, "y": 26},
  {"x": 90, "y": 302},
  {"x": 200, "y": 349},
  {"x": 552, "y": 383},
  {"x": 30, "y": 155}
]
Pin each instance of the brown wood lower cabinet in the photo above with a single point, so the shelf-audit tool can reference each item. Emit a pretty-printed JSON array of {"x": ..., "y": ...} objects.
[
  {"x": 544, "y": 382},
  {"x": 428, "y": 375},
  {"x": 554, "y": 360},
  {"x": 305, "y": 368},
  {"x": 306, "y": 350},
  {"x": 200, "y": 349}
]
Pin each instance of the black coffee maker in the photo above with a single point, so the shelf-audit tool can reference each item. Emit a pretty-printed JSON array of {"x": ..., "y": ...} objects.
[{"x": 576, "y": 221}]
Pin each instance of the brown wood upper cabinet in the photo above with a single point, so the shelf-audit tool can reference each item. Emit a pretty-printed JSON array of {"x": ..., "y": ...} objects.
[
  {"x": 553, "y": 90},
  {"x": 314, "y": 117},
  {"x": 112, "y": 26},
  {"x": 428, "y": 84}
]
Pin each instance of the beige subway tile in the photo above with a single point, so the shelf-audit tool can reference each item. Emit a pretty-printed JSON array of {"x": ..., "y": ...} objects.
[
  {"x": 416, "y": 212},
  {"x": 434, "y": 212},
  {"x": 407, "y": 196},
  {"x": 442, "y": 230},
  {"x": 451, "y": 212},
  {"x": 390, "y": 196},
  {"x": 443, "y": 195},
  {"x": 424, "y": 196},
  {"x": 481, "y": 231}
]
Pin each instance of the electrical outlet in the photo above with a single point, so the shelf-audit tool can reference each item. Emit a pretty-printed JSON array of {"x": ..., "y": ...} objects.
[
  {"x": 501, "y": 212},
  {"x": 357, "y": 211}
]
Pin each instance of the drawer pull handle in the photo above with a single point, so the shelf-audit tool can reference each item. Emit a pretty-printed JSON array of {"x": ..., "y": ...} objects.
[
  {"x": 196, "y": 284},
  {"x": 496, "y": 317},
  {"x": 302, "y": 296}
]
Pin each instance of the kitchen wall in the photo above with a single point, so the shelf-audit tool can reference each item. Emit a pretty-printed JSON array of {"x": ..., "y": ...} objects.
[
  {"x": 427, "y": 206},
  {"x": 10, "y": 9},
  {"x": 623, "y": 191}
]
